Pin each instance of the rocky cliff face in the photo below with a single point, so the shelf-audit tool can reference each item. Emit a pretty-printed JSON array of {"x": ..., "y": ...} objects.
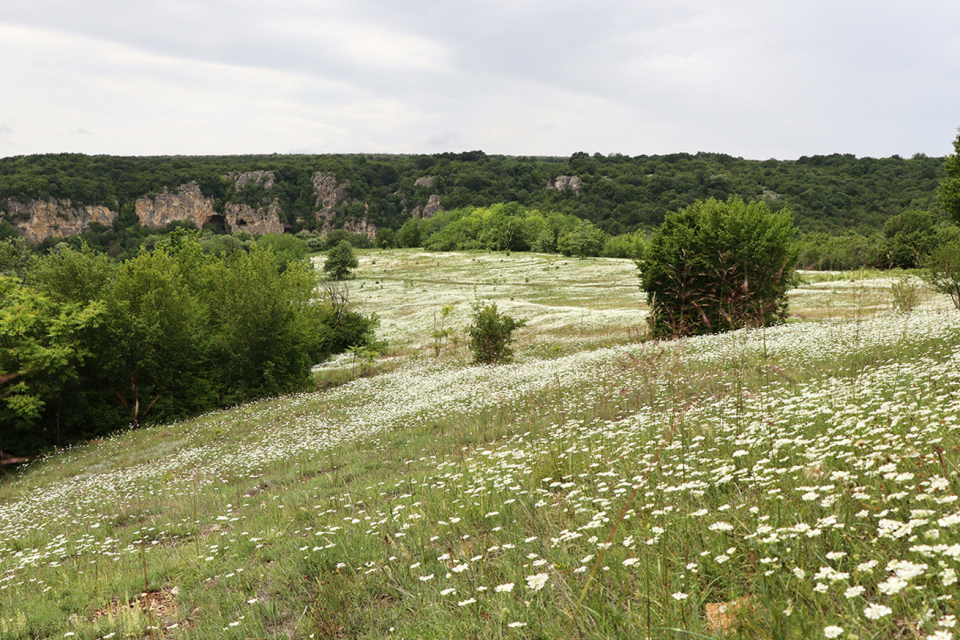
[
  {"x": 265, "y": 179},
  {"x": 38, "y": 220},
  {"x": 188, "y": 203},
  {"x": 428, "y": 211},
  {"x": 566, "y": 182},
  {"x": 330, "y": 194},
  {"x": 41, "y": 219}
]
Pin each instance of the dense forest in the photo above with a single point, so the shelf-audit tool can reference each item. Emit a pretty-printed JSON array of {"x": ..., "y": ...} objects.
[{"x": 833, "y": 194}]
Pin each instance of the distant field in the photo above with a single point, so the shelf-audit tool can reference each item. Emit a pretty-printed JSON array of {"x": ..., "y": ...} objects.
[{"x": 794, "y": 482}]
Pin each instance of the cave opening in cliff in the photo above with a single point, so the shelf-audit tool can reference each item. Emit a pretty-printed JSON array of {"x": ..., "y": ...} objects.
[{"x": 217, "y": 223}]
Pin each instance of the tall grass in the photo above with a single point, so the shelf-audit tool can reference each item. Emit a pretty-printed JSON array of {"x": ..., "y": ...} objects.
[{"x": 803, "y": 478}]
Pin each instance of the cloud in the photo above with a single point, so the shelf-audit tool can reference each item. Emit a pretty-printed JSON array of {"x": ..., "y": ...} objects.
[
  {"x": 444, "y": 139},
  {"x": 745, "y": 77},
  {"x": 5, "y": 128}
]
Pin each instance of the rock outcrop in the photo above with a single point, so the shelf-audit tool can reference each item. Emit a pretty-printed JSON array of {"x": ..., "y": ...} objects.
[
  {"x": 565, "y": 182},
  {"x": 265, "y": 179},
  {"x": 243, "y": 217},
  {"x": 331, "y": 193},
  {"x": 41, "y": 219},
  {"x": 428, "y": 211},
  {"x": 188, "y": 203}
]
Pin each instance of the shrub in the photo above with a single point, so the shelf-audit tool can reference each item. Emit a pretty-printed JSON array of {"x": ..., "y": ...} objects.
[
  {"x": 906, "y": 295},
  {"x": 88, "y": 346},
  {"x": 585, "y": 241},
  {"x": 491, "y": 334},
  {"x": 943, "y": 271},
  {"x": 716, "y": 266},
  {"x": 340, "y": 261}
]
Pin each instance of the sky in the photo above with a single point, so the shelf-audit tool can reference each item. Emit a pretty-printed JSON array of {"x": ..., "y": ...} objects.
[{"x": 751, "y": 78}]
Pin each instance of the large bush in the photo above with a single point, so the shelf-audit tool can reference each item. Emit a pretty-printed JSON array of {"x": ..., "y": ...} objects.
[
  {"x": 89, "y": 346},
  {"x": 943, "y": 270},
  {"x": 491, "y": 334},
  {"x": 716, "y": 266}
]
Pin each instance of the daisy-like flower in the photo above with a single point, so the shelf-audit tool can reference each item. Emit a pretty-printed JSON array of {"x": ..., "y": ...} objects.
[
  {"x": 464, "y": 603},
  {"x": 502, "y": 588},
  {"x": 537, "y": 581},
  {"x": 876, "y": 611},
  {"x": 832, "y": 631},
  {"x": 679, "y": 595},
  {"x": 853, "y": 592}
]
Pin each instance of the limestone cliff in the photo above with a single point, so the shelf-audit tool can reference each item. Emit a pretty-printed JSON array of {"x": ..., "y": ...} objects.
[
  {"x": 331, "y": 193},
  {"x": 186, "y": 204},
  {"x": 41, "y": 219},
  {"x": 428, "y": 211},
  {"x": 189, "y": 204},
  {"x": 561, "y": 183}
]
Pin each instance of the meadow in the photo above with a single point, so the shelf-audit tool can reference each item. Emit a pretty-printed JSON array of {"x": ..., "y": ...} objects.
[{"x": 794, "y": 482}]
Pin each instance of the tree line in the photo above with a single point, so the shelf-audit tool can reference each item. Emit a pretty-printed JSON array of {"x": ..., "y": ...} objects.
[
  {"x": 619, "y": 194},
  {"x": 89, "y": 345}
]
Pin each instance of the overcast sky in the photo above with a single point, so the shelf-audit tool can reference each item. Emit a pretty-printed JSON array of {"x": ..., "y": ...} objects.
[{"x": 752, "y": 78}]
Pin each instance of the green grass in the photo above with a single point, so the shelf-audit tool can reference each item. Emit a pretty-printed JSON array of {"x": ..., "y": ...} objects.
[{"x": 619, "y": 486}]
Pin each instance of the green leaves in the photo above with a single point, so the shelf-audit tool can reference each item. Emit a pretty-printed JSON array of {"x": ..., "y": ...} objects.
[
  {"x": 717, "y": 266},
  {"x": 340, "y": 261},
  {"x": 491, "y": 334},
  {"x": 170, "y": 333}
]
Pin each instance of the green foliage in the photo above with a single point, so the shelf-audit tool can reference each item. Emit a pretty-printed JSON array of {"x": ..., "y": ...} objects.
[
  {"x": 716, "y": 266},
  {"x": 14, "y": 257},
  {"x": 626, "y": 245},
  {"x": 822, "y": 251},
  {"x": 42, "y": 349},
  {"x": 619, "y": 194},
  {"x": 491, "y": 334},
  {"x": 949, "y": 189},
  {"x": 909, "y": 237},
  {"x": 286, "y": 248},
  {"x": 906, "y": 294},
  {"x": 71, "y": 275},
  {"x": 386, "y": 238},
  {"x": 585, "y": 241},
  {"x": 95, "y": 345},
  {"x": 340, "y": 261},
  {"x": 409, "y": 233},
  {"x": 942, "y": 271}
]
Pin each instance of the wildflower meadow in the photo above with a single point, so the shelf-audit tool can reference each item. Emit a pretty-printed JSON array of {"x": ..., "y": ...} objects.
[{"x": 799, "y": 481}]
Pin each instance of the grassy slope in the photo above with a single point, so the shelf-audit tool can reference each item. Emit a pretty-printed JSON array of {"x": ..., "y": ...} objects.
[{"x": 600, "y": 487}]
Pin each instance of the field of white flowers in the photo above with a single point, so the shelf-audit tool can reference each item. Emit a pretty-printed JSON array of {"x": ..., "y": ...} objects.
[{"x": 794, "y": 482}]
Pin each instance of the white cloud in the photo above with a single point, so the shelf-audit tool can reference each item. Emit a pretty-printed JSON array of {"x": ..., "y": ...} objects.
[{"x": 749, "y": 78}]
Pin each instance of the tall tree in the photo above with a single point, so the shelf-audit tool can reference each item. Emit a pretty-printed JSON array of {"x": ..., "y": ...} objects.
[{"x": 949, "y": 190}]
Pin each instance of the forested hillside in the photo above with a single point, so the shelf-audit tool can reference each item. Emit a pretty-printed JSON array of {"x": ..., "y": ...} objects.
[{"x": 833, "y": 193}]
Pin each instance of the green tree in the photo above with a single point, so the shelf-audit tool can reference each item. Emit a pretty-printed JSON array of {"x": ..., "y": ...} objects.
[
  {"x": 585, "y": 241},
  {"x": 409, "y": 233},
  {"x": 716, "y": 266},
  {"x": 909, "y": 237},
  {"x": 42, "y": 349},
  {"x": 341, "y": 261},
  {"x": 949, "y": 189},
  {"x": 943, "y": 270},
  {"x": 491, "y": 333}
]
